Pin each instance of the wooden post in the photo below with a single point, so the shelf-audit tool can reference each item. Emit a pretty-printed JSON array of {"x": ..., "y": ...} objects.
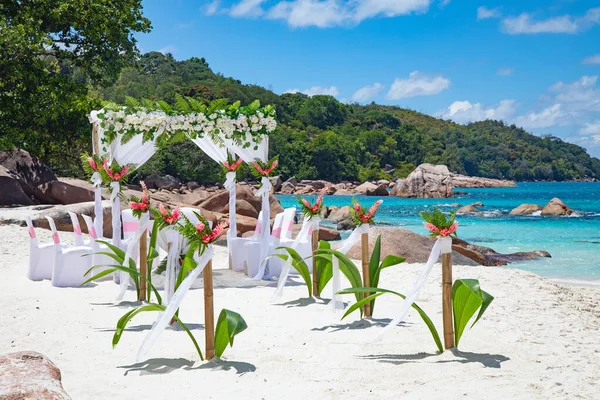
[
  {"x": 209, "y": 311},
  {"x": 95, "y": 140},
  {"x": 143, "y": 266},
  {"x": 315, "y": 246},
  {"x": 364, "y": 241},
  {"x": 447, "y": 300}
]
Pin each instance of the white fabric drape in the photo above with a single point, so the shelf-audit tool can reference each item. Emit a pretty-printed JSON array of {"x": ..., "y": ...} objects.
[
  {"x": 165, "y": 317},
  {"x": 344, "y": 247},
  {"x": 265, "y": 234},
  {"x": 308, "y": 225},
  {"x": 135, "y": 151},
  {"x": 249, "y": 154},
  {"x": 443, "y": 245}
]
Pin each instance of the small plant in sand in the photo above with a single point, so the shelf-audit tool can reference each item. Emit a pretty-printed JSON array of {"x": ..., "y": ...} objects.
[{"x": 467, "y": 298}]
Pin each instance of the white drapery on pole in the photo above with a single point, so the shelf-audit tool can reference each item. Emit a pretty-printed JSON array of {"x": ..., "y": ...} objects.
[
  {"x": 344, "y": 247},
  {"x": 443, "y": 245},
  {"x": 136, "y": 152},
  {"x": 165, "y": 317},
  {"x": 265, "y": 234}
]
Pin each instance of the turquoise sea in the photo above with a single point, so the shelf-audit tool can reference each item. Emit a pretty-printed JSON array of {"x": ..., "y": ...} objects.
[{"x": 573, "y": 242}]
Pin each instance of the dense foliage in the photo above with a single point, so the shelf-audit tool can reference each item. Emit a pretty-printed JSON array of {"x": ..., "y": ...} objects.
[
  {"x": 318, "y": 137},
  {"x": 50, "y": 52},
  {"x": 321, "y": 138}
]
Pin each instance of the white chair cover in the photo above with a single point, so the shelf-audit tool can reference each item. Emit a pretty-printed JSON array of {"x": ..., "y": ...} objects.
[
  {"x": 41, "y": 256},
  {"x": 97, "y": 259},
  {"x": 70, "y": 263},
  {"x": 281, "y": 232},
  {"x": 237, "y": 246},
  {"x": 78, "y": 235}
]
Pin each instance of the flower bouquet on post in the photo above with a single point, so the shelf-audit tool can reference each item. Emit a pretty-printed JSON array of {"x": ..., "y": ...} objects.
[
  {"x": 264, "y": 170},
  {"x": 438, "y": 224},
  {"x": 312, "y": 210},
  {"x": 92, "y": 164},
  {"x": 360, "y": 215}
]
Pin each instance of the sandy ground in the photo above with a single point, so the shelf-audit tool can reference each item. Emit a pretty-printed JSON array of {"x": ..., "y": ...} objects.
[{"x": 538, "y": 340}]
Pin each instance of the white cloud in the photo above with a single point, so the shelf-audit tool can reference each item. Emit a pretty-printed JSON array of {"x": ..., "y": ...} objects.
[
  {"x": 546, "y": 118},
  {"x": 328, "y": 13},
  {"x": 315, "y": 90},
  {"x": 247, "y": 8},
  {"x": 213, "y": 7},
  {"x": 444, "y": 3},
  {"x": 464, "y": 111},
  {"x": 168, "y": 49},
  {"x": 580, "y": 95},
  {"x": 303, "y": 13},
  {"x": 591, "y": 128},
  {"x": 367, "y": 93},
  {"x": 524, "y": 23},
  {"x": 485, "y": 13},
  {"x": 595, "y": 59},
  {"x": 417, "y": 84},
  {"x": 504, "y": 71}
]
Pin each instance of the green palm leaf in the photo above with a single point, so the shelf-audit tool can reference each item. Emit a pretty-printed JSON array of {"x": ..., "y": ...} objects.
[
  {"x": 229, "y": 325},
  {"x": 467, "y": 298}
]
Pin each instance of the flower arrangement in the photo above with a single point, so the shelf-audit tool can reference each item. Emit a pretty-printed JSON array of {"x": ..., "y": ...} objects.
[
  {"x": 360, "y": 215},
  {"x": 101, "y": 171},
  {"x": 165, "y": 218},
  {"x": 232, "y": 166},
  {"x": 310, "y": 211},
  {"x": 262, "y": 169},
  {"x": 245, "y": 125},
  {"x": 140, "y": 206},
  {"x": 200, "y": 235},
  {"x": 438, "y": 224}
]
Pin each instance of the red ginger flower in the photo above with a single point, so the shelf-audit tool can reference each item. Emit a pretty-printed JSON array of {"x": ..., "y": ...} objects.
[
  {"x": 92, "y": 163},
  {"x": 171, "y": 218},
  {"x": 144, "y": 205},
  {"x": 432, "y": 228},
  {"x": 233, "y": 167},
  {"x": 210, "y": 237}
]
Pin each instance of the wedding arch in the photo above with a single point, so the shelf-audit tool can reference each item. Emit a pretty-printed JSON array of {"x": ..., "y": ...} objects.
[{"x": 130, "y": 134}]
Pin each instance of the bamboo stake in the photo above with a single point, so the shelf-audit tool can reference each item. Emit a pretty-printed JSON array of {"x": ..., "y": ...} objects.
[
  {"x": 143, "y": 266},
  {"x": 315, "y": 246},
  {"x": 95, "y": 140},
  {"x": 364, "y": 241},
  {"x": 209, "y": 311},
  {"x": 447, "y": 300}
]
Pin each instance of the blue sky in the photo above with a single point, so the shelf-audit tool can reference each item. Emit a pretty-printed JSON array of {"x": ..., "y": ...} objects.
[{"x": 532, "y": 63}]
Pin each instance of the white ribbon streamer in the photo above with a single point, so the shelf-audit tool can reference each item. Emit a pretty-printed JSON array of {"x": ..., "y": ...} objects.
[
  {"x": 124, "y": 278},
  {"x": 230, "y": 184},
  {"x": 96, "y": 179},
  {"x": 172, "y": 265},
  {"x": 116, "y": 213},
  {"x": 264, "y": 191},
  {"x": 98, "y": 213},
  {"x": 440, "y": 246},
  {"x": 344, "y": 247},
  {"x": 165, "y": 317},
  {"x": 303, "y": 236}
]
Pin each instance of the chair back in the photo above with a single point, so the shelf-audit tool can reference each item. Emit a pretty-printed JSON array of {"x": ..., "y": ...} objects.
[
  {"x": 55, "y": 236},
  {"x": 130, "y": 224},
  {"x": 276, "y": 232},
  {"x": 31, "y": 230},
  {"x": 289, "y": 214},
  {"x": 76, "y": 229},
  {"x": 258, "y": 228}
]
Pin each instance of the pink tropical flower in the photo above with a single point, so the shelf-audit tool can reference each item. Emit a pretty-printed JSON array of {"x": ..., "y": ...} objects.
[
  {"x": 210, "y": 237},
  {"x": 233, "y": 167},
  {"x": 170, "y": 218},
  {"x": 200, "y": 227},
  {"x": 258, "y": 168},
  {"x": 306, "y": 203},
  {"x": 357, "y": 208},
  {"x": 92, "y": 163},
  {"x": 432, "y": 228},
  {"x": 374, "y": 208}
]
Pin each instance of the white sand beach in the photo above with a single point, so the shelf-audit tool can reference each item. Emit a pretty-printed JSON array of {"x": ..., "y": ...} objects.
[{"x": 538, "y": 340}]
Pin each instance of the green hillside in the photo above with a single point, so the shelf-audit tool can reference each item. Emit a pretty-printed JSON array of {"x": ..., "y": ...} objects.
[{"x": 321, "y": 138}]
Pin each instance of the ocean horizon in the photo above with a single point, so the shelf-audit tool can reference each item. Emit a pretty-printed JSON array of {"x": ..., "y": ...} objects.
[{"x": 573, "y": 241}]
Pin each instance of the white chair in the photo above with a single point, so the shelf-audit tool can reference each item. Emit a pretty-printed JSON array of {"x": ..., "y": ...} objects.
[
  {"x": 70, "y": 263},
  {"x": 41, "y": 256},
  {"x": 237, "y": 248},
  {"x": 97, "y": 259},
  {"x": 252, "y": 248},
  {"x": 279, "y": 234}
]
